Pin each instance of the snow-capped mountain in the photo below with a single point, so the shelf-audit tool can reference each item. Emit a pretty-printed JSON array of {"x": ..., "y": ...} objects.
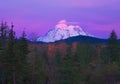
[{"x": 62, "y": 31}]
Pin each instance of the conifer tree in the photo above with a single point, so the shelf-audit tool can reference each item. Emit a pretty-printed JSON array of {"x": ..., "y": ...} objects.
[
  {"x": 3, "y": 31},
  {"x": 113, "y": 47},
  {"x": 11, "y": 59},
  {"x": 22, "y": 52},
  {"x": 24, "y": 44},
  {"x": 3, "y": 44},
  {"x": 3, "y": 39}
]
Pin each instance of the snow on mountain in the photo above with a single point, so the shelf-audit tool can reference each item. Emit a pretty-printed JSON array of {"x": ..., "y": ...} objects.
[{"x": 62, "y": 31}]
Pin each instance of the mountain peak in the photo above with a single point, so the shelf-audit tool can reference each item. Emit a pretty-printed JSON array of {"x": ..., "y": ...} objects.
[{"x": 62, "y": 31}]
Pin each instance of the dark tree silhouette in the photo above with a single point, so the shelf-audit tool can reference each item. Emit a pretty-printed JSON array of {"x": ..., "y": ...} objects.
[
  {"x": 113, "y": 47},
  {"x": 11, "y": 58},
  {"x": 3, "y": 42}
]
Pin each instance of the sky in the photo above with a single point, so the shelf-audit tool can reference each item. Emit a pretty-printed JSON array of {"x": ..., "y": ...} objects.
[{"x": 98, "y": 17}]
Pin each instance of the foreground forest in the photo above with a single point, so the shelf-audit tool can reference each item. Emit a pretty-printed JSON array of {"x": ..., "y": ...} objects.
[{"x": 24, "y": 62}]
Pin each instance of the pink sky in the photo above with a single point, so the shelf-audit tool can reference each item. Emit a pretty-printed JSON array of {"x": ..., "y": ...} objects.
[{"x": 98, "y": 17}]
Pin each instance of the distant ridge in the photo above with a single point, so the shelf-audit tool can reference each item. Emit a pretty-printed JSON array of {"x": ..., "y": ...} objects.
[{"x": 80, "y": 38}]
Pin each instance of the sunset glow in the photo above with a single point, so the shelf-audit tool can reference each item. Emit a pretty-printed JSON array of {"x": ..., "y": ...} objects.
[{"x": 98, "y": 17}]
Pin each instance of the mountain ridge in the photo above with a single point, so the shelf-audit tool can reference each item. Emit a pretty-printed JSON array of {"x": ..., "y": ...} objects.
[{"x": 80, "y": 38}]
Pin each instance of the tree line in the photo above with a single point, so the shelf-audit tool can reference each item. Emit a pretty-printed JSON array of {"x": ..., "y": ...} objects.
[{"x": 85, "y": 64}]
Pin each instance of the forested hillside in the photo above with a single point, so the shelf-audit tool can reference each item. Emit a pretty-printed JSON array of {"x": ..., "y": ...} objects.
[{"x": 22, "y": 62}]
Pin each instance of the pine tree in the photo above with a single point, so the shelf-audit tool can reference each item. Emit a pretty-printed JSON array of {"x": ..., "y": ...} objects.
[
  {"x": 3, "y": 32},
  {"x": 3, "y": 40},
  {"x": 24, "y": 44},
  {"x": 3, "y": 44},
  {"x": 11, "y": 59},
  {"x": 21, "y": 53},
  {"x": 113, "y": 47}
]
